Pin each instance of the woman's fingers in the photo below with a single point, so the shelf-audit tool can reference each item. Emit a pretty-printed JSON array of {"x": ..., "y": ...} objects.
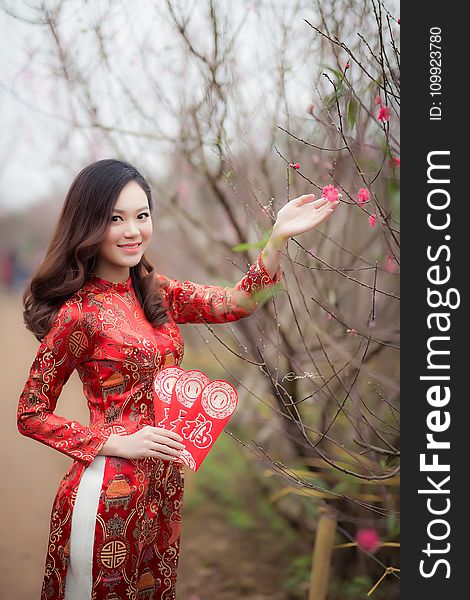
[
  {"x": 167, "y": 433},
  {"x": 158, "y": 454},
  {"x": 322, "y": 214},
  {"x": 168, "y": 451},
  {"x": 160, "y": 439},
  {"x": 329, "y": 206},
  {"x": 323, "y": 209},
  {"x": 320, "y": 202},
  {"x": 304, "y": 199},
  {"x": 310, "y": 199},
  {"x": 169, "y": 438}
]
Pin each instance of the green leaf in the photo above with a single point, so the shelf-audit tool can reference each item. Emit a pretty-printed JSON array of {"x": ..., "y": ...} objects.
[
  {"x": 394, "y": 198},
  {"x": 248, "y": 245},
  {"x": 352, "y": 113},
  {"x": 338, "y": 74}
]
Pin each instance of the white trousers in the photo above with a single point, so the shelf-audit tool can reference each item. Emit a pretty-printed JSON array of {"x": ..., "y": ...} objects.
[{"x": 78, "y": 585}]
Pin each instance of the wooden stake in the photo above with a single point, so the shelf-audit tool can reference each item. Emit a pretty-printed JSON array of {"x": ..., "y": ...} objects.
[{"x": 322, "y": 550}]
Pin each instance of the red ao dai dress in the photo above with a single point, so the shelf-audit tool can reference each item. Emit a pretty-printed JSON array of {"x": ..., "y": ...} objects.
[{"x": 124, "y": 543}]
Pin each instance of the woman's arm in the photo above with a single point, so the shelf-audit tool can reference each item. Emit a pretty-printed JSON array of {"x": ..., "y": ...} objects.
[
  {"x": 271, "y": 253},
  {"x": 61, "y": 350},
  {"x": 190, "y": 302}
]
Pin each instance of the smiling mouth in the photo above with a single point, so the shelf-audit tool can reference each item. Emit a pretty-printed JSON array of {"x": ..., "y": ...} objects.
[{"x": 129, "y": 245}]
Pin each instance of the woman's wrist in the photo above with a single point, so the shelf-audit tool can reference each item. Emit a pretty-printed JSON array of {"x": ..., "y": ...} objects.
[
  {"x": 276, "y": 240},
  {"x": 271, "y": 254},
  {"x": 112, "y": 445}
]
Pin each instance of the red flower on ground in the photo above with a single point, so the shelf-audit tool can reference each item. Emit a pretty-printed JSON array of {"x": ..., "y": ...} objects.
[
  {"x": 384, "y": 113},
  {"x": 368, "y": 539}
]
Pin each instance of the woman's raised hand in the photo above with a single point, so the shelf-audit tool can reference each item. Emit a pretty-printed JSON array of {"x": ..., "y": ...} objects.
[{"x": 301, "y": 215}]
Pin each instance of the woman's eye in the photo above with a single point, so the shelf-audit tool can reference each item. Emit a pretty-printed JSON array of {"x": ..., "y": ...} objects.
[{"x": 119, "y": 217}]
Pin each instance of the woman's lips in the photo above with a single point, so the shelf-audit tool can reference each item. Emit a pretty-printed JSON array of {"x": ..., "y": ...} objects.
[{"x": 130, "y": 249}]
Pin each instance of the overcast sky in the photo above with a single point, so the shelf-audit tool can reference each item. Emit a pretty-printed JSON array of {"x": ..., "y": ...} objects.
[{"x": 34, "y": 105}]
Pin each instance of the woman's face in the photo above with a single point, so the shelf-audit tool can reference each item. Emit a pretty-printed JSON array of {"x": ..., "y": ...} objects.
[{"x": 131, "y": 223}]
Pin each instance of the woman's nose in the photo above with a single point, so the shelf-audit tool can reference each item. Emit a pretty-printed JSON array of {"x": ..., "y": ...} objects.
[{"x": 132, "y": 228}]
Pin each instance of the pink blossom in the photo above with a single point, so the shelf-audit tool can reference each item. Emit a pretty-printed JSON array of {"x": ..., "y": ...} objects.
[
  {"x": 368, "y": 539},
  {"x": 378, "y": 100},
  {"x": 294, "y": 166},
  {"x": 363, "y": 196},
  {"x": 394, "y": 162},
  {"x": 398, "y": 21},
  {"x": 384, "y": 113},
  {"x": 330, "y": 193},
  {"x": 310, "y": 108},
  {"x": 347, "y": 65},
  {"x": 391, "y": 265},
  {"x": 372, "y": 220},
  {"x": 351, "y": 331}
]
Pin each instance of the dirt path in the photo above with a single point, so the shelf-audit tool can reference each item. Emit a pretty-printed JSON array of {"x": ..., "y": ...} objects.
[
  {"x": 226, "y": 555},
  {"x": 31, "y": 471}
]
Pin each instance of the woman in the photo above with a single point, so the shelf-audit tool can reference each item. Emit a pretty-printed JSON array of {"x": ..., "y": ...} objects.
[{"x": 97, "y": 305}]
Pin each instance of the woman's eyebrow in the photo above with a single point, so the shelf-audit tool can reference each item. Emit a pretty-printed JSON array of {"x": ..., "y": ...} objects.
[{"x": 123, "y": 211}]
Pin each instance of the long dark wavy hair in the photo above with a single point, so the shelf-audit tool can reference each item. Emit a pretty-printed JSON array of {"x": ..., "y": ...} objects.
[{"x": 73, "y": 249}]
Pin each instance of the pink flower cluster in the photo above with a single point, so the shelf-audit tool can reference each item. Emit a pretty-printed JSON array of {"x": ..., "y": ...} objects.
[
  {"x": 391, "y": 265},
  {"x": 368, "y": 539},
  {"x": 384, "y": 113},
  {"x": 330, "y": 193},
  {"x": 295, "y": 166},
  {"x": 363, "y": 196}
]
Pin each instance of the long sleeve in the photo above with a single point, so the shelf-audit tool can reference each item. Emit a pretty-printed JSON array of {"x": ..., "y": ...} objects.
[
  {"x": 59, "y": 353},
  {"x": 191, "y": 302}
]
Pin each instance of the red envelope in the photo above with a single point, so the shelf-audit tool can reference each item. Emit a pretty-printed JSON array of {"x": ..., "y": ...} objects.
[
  {"x": 205, "y": 421},
  {"x": 187, "y": 388},
  {"x": 163, "y": 385}
]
